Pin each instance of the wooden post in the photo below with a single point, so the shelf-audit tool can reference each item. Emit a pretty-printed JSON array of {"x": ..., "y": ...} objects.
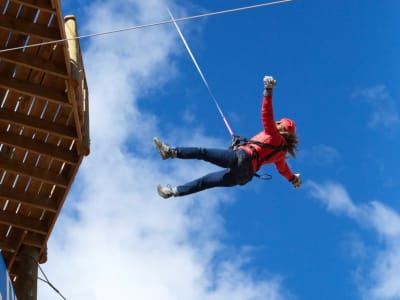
[
  {"x": 27, "y": 277},
  {"x": 78, "y": 82},
  {"x": 73, "y": 44}
]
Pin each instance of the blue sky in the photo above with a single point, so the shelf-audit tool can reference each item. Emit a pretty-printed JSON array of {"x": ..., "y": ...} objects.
[{"x": 337, "y": 237}]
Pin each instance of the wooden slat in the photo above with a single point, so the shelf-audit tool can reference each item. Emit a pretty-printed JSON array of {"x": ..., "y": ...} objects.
[
  {"x": 31, "y": 200},
  {"x": 38, "y": 4},
  {"x": 8, "y": 41},
  {"x": 31, "y": 89},
  {"x": 21, "y": 26},
  {"x": 31, "y": 171},
  {"x": 7, "y": 246},
  {"x": 13, "y": 240},
  {"x": 23, "y": 222},
  {"x": 38, "y": 124},
  {"x": 39, "y": 147},
  {"x": 37, "y": 105},
  {"x": 37, "y": 63},
  {"x": 35, "y": 240}
]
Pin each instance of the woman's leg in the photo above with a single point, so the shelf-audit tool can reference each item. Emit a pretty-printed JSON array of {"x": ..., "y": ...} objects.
[
  {"x": 220, "y": 178},
  {"x": 228, "y": 159},
  {"x": 221, "y": 157}
]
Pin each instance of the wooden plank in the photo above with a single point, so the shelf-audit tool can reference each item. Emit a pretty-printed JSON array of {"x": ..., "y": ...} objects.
[
  {"x": 32, "y": 89},
  {"x": 39, "y": 147},
  {"x": 27, "y": 105},
  {"x": 7, "y": 246},
  {"x": 14, "y": 40},
  {"x": 36, "y": 173},
  {"x": 24, "y": 27},
  {"x": 23, "y": 222},
  {"x": 38, "y": 124},
  {"x": 35, "y": 240},
  {"x": 31, "y": 200},
  {"x": 47, "y": 172},
  {"x": 34, "y": 62},
  {"x": 38, "y": 4},
  {"x": 12, "y": 242}
]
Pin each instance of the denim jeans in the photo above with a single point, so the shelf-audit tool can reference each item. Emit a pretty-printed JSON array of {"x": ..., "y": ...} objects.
[{"x": 236, "y": 163}]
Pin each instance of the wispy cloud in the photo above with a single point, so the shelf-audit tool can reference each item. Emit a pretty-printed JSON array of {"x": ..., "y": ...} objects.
[
  {"x": 116, "y": 238},
  {"x": 320, "y": 155},
  {"x": 379, "y": 280},
  {"x": 384, "y": 109},
  {"x": 333, "y": 196}
]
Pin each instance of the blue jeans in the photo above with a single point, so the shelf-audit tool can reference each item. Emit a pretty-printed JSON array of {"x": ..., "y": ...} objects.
[{"x": 236, "y": 163}]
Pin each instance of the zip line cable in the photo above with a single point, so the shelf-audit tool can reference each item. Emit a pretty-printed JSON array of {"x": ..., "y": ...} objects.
[
  {"x": 135, "y": 27},
  {"x": 202, "y": 75},
  {"x": 45, "y": 280}
]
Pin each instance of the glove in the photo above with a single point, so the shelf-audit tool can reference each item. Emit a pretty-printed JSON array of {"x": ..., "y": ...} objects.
[
  {"x": 296, "y": 181},
  {"x": 269, "y": 82}
]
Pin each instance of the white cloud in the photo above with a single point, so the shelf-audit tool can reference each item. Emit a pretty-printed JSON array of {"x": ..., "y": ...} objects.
[
  {"x": 116, "y": 238},
  {"x": 385, "y": 275},
  {"x": 381, "y": 280},
  {"x": 334, "y": 196},
  {"x": 384, "y": 109},
  {"x": 320, "y": 155}
]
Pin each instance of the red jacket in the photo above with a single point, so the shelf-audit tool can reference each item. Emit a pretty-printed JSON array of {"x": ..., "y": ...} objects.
[{"x": 270, "y": 135}]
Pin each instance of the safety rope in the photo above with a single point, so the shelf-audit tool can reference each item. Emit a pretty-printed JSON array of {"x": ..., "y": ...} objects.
[
  {"x": 202, "y": 75},
  {"x": 45, "y": 280},
  {"x": 174, "y": 21},
  {"x": 135, "y": 27}
]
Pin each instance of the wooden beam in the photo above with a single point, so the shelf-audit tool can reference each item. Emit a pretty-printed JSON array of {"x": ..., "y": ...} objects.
[
  {"x": 28, "y": 28},
  {"x": 34, "y": 62},
  {"x": 35, "y": 240},
  {"x": 39, "y": 147},
  {"x": 8, "y": 246},
  {"x": 36, "y": 201},
  {"x": 38, "y": 4},
  {"x": 34, "y": 90},
  {"x": 38, "y": 124},
  {"x": 12, "y": 242},
  {"x": 31, "y": 171},
  {"x": 23, "y": 222}
]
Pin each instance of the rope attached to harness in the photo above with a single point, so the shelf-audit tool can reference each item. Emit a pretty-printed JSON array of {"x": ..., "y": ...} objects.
[
  {"x": 202, "y": 75},
  {"x": 240, "y": 141}
]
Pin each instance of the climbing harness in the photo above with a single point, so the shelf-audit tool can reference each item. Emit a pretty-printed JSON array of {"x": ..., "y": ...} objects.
[{"x": 241, "y": 141}]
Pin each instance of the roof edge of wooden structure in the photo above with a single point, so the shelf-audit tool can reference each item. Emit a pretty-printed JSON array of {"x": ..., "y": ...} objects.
[{"x": 44, "y": 122}]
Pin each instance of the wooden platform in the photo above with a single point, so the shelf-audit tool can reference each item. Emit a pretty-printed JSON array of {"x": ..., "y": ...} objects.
[{"x": 44, "y": 126}]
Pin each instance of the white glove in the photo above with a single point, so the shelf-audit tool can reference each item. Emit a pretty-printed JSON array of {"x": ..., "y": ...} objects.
[
  {"x": 296, "y": 181},
  {"x": 269, "y": 82}
]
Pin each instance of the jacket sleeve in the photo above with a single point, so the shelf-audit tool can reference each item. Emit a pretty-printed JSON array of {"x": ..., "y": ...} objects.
[
  {"x": 284, "y": 169},
  {"x": 267, "y": 116}
]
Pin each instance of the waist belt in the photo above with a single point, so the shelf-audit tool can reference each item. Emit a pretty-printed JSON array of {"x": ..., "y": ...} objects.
[{"x": 255, "y": 155}]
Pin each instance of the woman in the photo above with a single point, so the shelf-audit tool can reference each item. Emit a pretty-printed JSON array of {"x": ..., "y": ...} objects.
[{"x": 242, "y": 161}]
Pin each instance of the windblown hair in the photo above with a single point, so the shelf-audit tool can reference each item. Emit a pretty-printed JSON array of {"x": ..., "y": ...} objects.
[{"x": 292, "y": 142}]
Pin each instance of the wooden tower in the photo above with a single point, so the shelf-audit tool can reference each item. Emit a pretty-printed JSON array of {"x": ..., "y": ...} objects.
[{"x": 44, "y": 130}]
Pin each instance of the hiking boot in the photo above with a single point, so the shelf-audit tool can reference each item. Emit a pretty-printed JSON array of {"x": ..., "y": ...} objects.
[
  {"x": 164, "y": 150},
  {"x": 166, "y": 191}
]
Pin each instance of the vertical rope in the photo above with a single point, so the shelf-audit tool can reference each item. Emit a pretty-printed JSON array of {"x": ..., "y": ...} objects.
[{"x": 202, "y": 75}]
